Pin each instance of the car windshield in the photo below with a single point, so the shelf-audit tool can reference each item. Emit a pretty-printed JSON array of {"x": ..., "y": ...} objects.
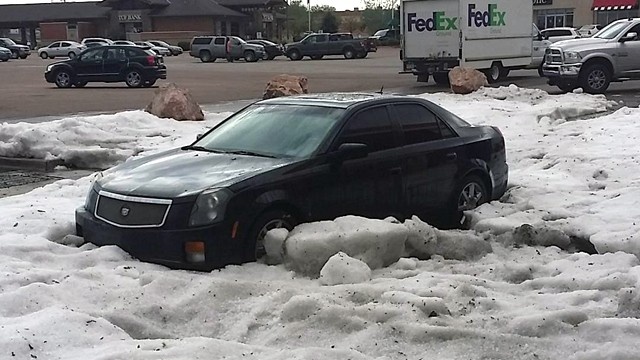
[
  {"x": 611, "y": 31},
  {"x": 10, "y": 42},
  {"x": 380, "y": 33},
  {"x": 240, "y": 40},
  {"x": 274, "y": 130}
]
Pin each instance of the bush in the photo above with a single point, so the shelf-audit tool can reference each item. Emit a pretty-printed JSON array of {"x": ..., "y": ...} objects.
[{"x": 185, "y": 45}]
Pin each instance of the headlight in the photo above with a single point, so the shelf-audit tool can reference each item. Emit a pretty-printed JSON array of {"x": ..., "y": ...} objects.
[
  {"x": 49, "y": 67},
  {"x": 571, "y": 56},
  {"x": 209, "y": 207},
  {"x": 89, "y": 202}
]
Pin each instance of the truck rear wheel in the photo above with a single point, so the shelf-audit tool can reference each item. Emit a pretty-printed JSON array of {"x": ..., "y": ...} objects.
[
  {"x": 494, "y": 73},
  {"x": 349, "y": 53},
  {"x": 595, "y": 79},
  {"x": 205, "y": 56}
]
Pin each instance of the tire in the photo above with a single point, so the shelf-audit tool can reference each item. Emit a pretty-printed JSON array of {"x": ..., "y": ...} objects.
[
  {"x": 272, "y": 219},
  {"x": 540, "y": 72},
  {"x": 71, "y": 55},
  {"x": 205, "y": 56},
  {"x": 133, "y": 78},
  {"x": 494, "y": 72},
  {"x": 317, "y": 57},
  {"x": 44, "y": 55},
  {"x": 567, "y": 87},
  {"x": 250, "y": 56},
  {"x": 441, "y": 78},
  {"x": 5, "y": 60},
  {"x": 423, "y": 78},
  {"x": 81, "y": 84},
  {"x": 349, "y": 53},
  {"x": 23, "y": 57},
  {"x": 63, "y": 79},
  {"x": 595, "y": 79},
  {"x": 361, "y": 55},
  {"x": 149, "y": 83},
  {"x": 470, "y": 193},
  {"x": 294, "y": 55},
  {"x": 14, "y": 54}
]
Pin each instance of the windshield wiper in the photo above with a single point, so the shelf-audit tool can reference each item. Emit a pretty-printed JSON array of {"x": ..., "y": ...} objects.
[
  {"x": 250, "y": 153},
  {"x": 198, "y": 148}
]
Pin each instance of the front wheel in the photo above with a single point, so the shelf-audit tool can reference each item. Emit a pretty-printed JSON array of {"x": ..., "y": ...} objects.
[
  {"x": 63, "y": 79},
  {"x": 273, "y": 219},
  {"x": 250, "y": 56},
  {"x": 44, "y": 55},
  {"x": 361, "y": 55},
  {"x": 133, "y": 78},
  {"x": 470, "y": 193},
  {"x": 295, "y": 55},
  {"x": 595, "y": 79}
]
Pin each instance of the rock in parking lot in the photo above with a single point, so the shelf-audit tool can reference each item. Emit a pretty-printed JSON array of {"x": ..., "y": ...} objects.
[
  {"x": 172, "y": 101},
  {"x": 285, "y": 85},
  {"x": 465, "y": 81}
]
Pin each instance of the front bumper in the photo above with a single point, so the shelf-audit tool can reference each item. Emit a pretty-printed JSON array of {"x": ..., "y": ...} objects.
[
  {"x": 162, "y": 246},
  {"x": 49, "y": 77},
  {"x": 561, "y": 70}
]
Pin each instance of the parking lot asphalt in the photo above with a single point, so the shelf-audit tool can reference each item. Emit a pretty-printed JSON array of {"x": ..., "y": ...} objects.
[{"x": 26, "y": 95}]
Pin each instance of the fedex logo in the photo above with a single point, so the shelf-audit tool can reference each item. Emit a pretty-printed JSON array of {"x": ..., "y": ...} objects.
[
  {"x": 491, "y": 17},
  {"x": 437, "y": 22}
]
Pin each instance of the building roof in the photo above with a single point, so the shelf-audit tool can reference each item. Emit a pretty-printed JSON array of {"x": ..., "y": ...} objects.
[
  {"x": 21, "y": 13},
  {"x": 195, "y": 8},
  {"x": 250, "y": 3}
]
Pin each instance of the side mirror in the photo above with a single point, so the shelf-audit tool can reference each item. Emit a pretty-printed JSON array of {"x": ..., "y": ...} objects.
[
  {"x": 350, "y": 151},
  {"x": 199, "y": 136},
  {"x": 539, "y": 37},
  {"x": 629, "y": 37}
]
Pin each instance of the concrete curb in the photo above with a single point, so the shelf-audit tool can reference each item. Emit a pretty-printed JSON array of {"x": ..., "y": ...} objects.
[{"x": 29, "y": 164}]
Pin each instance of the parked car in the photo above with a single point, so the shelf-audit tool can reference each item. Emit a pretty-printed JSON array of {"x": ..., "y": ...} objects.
[
  {"x": 124, "y": 42},
  {"x": 17, "y": 50},
  {"x": 95, "y": 41},
  {"x": 386, "y": 36},
  {"x": 589, "y": 30},
  {"x": 210, "y": 48},
  {"x": 280, "y": 162},
  {"x": 68, "y": 49},
  {"x": 593, "y": 63},
  {"x": 175, "y": 50},
  {"x": 271, "y": 49},
  {"x": 135, "y": 66},
  {"x": 316, "y": 46},
  {"x": 5, "y": 54},
  {"x": 157, "y": 49},
  {"x": 560, "y": 33}
]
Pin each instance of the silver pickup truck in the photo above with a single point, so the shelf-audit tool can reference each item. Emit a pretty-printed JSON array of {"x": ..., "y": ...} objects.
[
  {"x": 210, "y": 48},
  {"x": 613, "y": 54}
]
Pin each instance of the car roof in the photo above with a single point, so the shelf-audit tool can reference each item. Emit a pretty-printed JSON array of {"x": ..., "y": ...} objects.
[
  {"x": 558, "y": 28},
  {"x": 336, "y": 99}
]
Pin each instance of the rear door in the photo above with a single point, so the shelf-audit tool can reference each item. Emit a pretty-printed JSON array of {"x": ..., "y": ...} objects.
[
  {"x": 430, "y": 157},
  {"x": 115, "y": 62},
  {"x": 218, "y": 47}
]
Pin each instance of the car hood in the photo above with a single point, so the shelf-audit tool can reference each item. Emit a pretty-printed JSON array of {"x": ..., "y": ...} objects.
[
  {"x": 254, "y": 47},
  {"x": 179, "y": 173},
  {"x": 580, "y": 44}
]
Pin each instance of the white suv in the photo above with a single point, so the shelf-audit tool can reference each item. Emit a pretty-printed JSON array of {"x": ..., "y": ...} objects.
[{"x": 560, "y": 33}]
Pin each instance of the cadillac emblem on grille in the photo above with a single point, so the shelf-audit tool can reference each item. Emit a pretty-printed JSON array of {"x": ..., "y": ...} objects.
[{"x": 124, "y": 211}]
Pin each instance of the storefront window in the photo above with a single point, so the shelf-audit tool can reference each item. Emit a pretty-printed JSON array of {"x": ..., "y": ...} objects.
[
  {"x": 606, "y": 17},
  {"x": 548, "y": 18}
]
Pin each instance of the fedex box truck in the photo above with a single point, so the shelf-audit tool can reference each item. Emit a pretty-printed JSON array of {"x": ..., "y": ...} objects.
[{"x": 493, "y": 36}]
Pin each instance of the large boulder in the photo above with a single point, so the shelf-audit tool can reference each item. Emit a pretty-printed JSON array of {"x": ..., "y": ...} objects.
[
  {"x": 172, "y": 101},
  {"x": 285, "y": 85},
  {"x": 465, "y": 81}
]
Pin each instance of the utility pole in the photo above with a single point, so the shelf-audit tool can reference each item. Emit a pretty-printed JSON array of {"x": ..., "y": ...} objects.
[{"x": 309, "y": 13}]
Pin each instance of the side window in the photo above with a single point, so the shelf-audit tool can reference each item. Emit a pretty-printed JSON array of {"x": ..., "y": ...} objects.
[
  {"x": 321, "y": 38},
  {"x": 566, "y": 33},
  {"x": 312, "y": 39},
  {"x": 418, "y": 123},
  {"x": 202, "y": 41},
  {"x": 333, "y": 38},
  {"x": 92, "y": 55},
  {"x": 219, "y": 41},
  {"x": 371, "y": 127},
  {"x": 65, "y": 44},
  {"x": 55, "y": 45},
  {"x": 116, "y": 54}
]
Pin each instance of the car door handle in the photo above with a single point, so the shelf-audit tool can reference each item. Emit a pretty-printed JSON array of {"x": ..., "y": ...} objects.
[
  {"x": 395, "y": 170},
  {"x": 452, "y": 156}
]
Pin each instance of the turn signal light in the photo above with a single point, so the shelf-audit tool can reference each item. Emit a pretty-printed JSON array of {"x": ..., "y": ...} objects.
[{"x": 194, "y": 251}]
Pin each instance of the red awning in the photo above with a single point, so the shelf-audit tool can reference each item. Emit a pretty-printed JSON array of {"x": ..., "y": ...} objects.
[{"x": 602, "y": 5}]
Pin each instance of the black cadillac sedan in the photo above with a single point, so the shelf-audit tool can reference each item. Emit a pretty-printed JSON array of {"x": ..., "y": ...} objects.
[{"x": 288, "y": 160}]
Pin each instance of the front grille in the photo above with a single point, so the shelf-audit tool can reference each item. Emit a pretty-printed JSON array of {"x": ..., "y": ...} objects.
[
  {"x": 553, "y": 56},
  {"x": 130, "y": 211}
]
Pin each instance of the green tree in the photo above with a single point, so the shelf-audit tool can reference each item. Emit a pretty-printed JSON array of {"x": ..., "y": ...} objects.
[
  {"x": 330, "y": 22},
  {"x": 298, "y": 21},
  {"x": 380, "y": 14}
]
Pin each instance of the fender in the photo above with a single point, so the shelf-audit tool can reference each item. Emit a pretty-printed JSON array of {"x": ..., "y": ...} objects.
[{"x": 600, "y": 57}]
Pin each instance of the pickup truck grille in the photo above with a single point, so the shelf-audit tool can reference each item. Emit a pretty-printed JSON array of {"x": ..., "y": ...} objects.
[{"x": 553, "y": 56}]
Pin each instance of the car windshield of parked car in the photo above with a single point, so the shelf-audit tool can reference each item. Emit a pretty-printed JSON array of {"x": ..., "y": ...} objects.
[
  {"x": 381, "y": 33},
  {"x": 611, "y": 31},
  {"x": 274, "y": 130}
]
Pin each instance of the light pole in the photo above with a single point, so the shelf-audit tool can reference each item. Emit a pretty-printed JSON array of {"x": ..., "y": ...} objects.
[{"x": 309, "y": 13}]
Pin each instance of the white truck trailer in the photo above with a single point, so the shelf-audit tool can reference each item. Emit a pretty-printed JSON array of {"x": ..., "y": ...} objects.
[{"x": 493, "y": 36}]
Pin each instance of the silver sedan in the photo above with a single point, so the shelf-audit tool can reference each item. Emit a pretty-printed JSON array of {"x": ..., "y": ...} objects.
[{"x": 68, "y": 49}]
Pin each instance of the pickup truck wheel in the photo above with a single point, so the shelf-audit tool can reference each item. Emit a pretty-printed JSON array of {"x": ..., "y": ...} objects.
[
  {"x": 133, "y": 78},
  {"x": 205, "y": 56},
  {"x": 595, "y": 79},
  {"x": 250, "y": 56},
  {"x": 294, "y": 55},
  {"x": 149, "y": 83},
  {"x": 349, "y": 53},
  {"x": 44, "y": 55},
  {"x": 63, "y": 79}
]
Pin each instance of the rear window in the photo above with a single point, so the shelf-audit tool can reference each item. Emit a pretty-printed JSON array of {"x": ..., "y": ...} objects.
[
  {"x": 219, "y": 41},
  {"x": 202, "y": 41},
  {"x": 133, "y": 52}
]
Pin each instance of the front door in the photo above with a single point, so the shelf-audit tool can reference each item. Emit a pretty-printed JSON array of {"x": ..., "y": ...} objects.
[
  {"x": 236, "y": 48},
  {"x": 629, "y": 53},
  {"x": 90, "y": 64}
]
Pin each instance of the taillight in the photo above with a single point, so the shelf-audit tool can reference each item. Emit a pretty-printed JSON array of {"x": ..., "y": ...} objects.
[{"x": 151, "y": 60}]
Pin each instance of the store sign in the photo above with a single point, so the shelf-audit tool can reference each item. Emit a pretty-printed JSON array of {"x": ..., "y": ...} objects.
[
  {"x": 542, "y": 2},
  {"x": 267, "y": 17},
  {"x": 129, "y": 16}
]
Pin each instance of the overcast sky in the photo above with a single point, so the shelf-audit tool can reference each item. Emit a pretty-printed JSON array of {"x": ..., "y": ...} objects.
[{"x": 338, "y": 4}]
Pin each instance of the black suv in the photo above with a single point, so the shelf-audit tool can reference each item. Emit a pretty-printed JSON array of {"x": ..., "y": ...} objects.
[
  {"x": 136, "y": 66},
  {"x": 288, "y": 160}
]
